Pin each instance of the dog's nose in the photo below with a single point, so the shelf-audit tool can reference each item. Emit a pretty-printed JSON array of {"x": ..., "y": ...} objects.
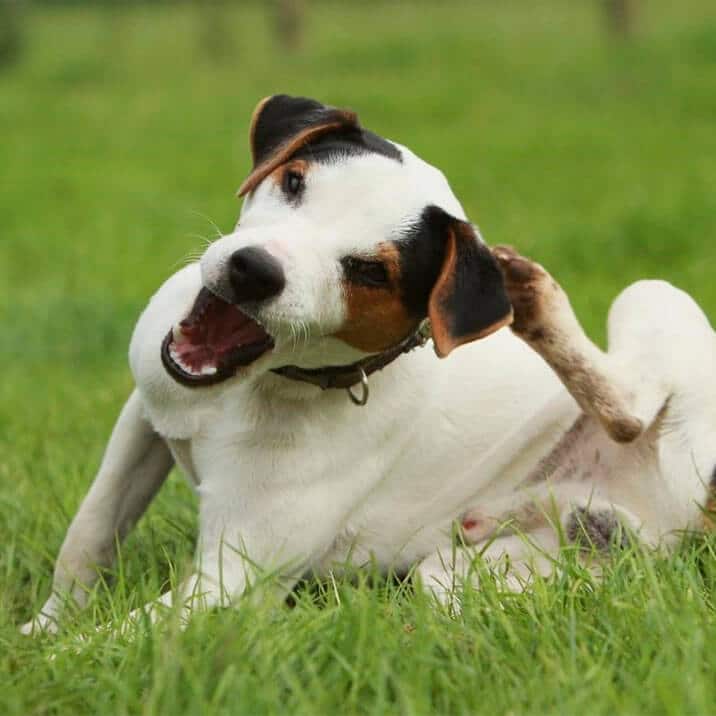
[{"x": 255, "y": 275}]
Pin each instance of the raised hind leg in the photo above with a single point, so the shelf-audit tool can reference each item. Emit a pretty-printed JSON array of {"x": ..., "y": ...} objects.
[
  {"x": 624, "y": 399},
  {"x": 657, "y": 382}
]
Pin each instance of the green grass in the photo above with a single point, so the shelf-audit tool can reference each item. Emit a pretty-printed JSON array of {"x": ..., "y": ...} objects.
[{"x": 122, "y": 140}]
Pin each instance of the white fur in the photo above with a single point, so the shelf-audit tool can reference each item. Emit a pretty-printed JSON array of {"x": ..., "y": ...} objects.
[{"x": 291, "y": 478}]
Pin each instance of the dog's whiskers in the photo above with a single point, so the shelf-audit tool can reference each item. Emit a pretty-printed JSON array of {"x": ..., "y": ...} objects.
[
  {"x": 300, "y": 335},
  {"x": 219, "y": 232},
  {"x": 293, "y": 337},
  {"x": 194, "y": 255},
  {"x": 306, "y": 332}
]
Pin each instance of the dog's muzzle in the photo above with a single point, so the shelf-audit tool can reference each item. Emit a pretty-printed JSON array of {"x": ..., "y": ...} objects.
[
  {"x": 212, "y": 342},
  {"x": 217, "y": 338}
]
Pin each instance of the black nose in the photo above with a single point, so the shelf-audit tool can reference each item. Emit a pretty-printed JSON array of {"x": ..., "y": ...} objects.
[{"x": 255, "y": 275}]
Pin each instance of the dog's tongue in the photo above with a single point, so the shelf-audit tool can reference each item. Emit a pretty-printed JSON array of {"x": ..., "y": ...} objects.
[{"x": 212, "y": 330}]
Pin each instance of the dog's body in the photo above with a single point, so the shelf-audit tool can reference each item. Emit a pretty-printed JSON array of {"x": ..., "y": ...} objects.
[{"x": 533, "y": 427}]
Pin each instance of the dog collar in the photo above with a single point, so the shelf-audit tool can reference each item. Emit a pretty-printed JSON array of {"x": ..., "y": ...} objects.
[{"x": 347, "y": 376}]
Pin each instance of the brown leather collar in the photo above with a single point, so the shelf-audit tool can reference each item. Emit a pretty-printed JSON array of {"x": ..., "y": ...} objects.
[{"x": 346, "y": 376}]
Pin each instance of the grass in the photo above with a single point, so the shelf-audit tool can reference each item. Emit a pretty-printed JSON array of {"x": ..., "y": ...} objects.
[{"x": 123, "y": 138}]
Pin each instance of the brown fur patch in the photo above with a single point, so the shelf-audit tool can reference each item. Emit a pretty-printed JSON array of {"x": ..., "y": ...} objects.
[
  {"x": 523, "y": 281},
  {"x": 299, "y": 166},
  {"x": 561, "y": 464},
  {"x": 344, "y": 118},
  {"x": 376, "y": 318},
  {"x": 438, "y": 322},
  {"x": 535, "y": 298}
]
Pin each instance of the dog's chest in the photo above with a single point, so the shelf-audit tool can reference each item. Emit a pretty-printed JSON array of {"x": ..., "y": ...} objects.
[{"x": 252, "y": 454}]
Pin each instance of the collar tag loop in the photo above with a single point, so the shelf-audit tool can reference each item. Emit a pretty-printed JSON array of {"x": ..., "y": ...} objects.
[{"x": 363, "y": 399}]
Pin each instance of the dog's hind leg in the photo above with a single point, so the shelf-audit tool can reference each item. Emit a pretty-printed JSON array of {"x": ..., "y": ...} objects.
[
  {"x": 623, "y": 397},
  {"x": 135, "y": 464},
  {"x": 655, "y": 380},
  {"x": 447, "y": 572},
  {"x": 563, "y": 506},
  {"x": 518, "y": 554},
  {"x": 574, "y": 474}
]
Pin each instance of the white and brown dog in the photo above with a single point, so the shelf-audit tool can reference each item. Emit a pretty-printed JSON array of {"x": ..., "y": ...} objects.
[{"x": 346, "y": 244}]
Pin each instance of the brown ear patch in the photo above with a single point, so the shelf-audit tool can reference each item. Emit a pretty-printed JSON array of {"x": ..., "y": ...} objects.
[
  {"x": 288, "y": 149},
  {"x": 437, "y": 306},
  {"x": 468, "y": 301},
  {"x": 376, "y": 317},
  {"x": 281, "y": 125}
]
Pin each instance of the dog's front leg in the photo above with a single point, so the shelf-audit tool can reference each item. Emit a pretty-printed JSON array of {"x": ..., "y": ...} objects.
[
  {"x": 134, "y": 466},
  {"x": 251, "y": 542}
]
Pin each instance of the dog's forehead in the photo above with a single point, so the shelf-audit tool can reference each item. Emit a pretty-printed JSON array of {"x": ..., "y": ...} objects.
[
  {"x": 356, "y": 200},
  {"x": 420, "y": 184},
  {"x": 381, "y": 198}
]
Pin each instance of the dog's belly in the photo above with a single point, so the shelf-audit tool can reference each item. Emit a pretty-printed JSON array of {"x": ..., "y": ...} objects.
[
  {"x": 411, "y": 515},
  {"x": 496, "y": 415}
]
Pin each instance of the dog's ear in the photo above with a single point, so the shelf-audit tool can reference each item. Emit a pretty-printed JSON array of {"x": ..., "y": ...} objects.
[
  {"x": 281, "y": 125},
  {"x": 468, "y": 300}
]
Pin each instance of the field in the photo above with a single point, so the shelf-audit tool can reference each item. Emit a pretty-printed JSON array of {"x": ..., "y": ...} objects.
[{"x": 122, "y": 140}]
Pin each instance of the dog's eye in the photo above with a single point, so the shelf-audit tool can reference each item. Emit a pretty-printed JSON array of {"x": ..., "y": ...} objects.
[
  {"x": 293, "y": 183},
  {"x": 365, "y": 272}
]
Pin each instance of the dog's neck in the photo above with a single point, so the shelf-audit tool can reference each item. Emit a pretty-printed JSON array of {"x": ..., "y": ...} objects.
[{"x": 354, "y": 374}]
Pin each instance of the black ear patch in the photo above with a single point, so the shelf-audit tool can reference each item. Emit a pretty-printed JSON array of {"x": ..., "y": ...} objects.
[
  {"x": 448, "y": 274},
  {"x": 278, "y": 119},
  {"x": 284, "y": 127}
]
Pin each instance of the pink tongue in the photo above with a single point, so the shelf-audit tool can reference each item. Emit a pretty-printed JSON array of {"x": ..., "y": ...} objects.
[{"x": 219, "y": 328}]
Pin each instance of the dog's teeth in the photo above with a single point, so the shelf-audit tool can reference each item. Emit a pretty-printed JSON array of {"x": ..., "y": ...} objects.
[
  {"x": 208, "y": 370},
  {"x": 177, "y": 335}
]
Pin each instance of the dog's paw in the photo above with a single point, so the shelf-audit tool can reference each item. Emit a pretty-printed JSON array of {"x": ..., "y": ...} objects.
[{"x": 535, "y": 296}]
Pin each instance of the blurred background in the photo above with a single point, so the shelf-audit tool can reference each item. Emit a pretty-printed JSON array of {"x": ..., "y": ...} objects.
[{"x": 581, "y": 131}]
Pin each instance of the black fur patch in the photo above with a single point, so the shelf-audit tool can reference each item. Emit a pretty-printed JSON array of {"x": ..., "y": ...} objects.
[
  {"x": 364, "y": 272},
  {"x": 350, "y": 143},
  {"x": 422, "y": 250},
  {"x": 478, "y": 298},
  {"x": 282, "y": 117},
  {"x": 479, "y": 293}
]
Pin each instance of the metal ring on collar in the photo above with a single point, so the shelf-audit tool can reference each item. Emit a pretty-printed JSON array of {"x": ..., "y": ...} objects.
[{"x": 364, "y": 383}]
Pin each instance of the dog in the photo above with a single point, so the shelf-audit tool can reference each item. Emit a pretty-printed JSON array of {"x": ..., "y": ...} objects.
[{"x": 285, "y": 374}]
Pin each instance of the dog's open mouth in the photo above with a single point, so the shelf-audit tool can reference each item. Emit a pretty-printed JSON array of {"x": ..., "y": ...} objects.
[{"x": 212, "y": 342}]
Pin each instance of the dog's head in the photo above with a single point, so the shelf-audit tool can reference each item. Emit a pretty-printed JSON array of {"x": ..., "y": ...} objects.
[{"x": 345, "y": 243}]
